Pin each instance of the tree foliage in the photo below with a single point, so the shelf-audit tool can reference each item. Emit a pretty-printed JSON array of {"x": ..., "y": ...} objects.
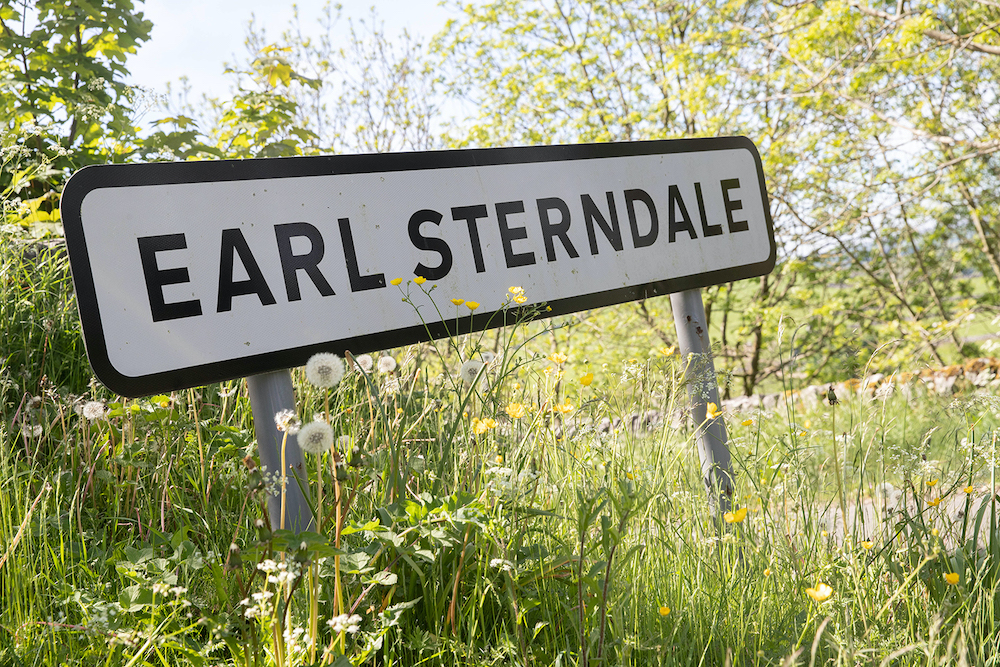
[
  {"x": 877, "y": 125},
  {"x": 63, "y": 102}
]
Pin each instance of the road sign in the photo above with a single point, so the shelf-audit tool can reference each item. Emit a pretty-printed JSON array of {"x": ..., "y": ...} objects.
[{"x": 193, "y": 272}]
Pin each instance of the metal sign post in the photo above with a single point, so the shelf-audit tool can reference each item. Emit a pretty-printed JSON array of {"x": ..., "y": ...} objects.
[
  {"x": 699, "y": 374},
  {"x": 270, "y": 393}
]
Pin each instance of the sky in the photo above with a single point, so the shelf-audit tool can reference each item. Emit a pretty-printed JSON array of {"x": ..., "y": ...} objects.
[{"x": 194, "y": 38}]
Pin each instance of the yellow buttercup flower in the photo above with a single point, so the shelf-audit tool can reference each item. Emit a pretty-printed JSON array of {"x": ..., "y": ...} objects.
[
  {"x": 480, "y": 426},
  {"x": 559, "y": 358},
  {"x": 951, "y": 578},
  {"x": 932, "y": 482},
  {"x": 969, "y": 489},
  {"x": 767, "y": 572},
  {"x": 867, "y": 544},
  {"x": 713, "y": 411},
  {"x": 747, "y": 422},
  {"x": 520, "y": 298},
  {"x": 396, "y": 281},
  {"x": 563, "y": 409},
  {"x": 735, "y": 517},
  {"x": 664, "y": 610},
  {"x": 587, "y": 379},
  {"x": 820, "y": 593},
  {"x": 516, "y": 290},
  {"x": 934, "y": 503},
  {"x": 667, "y": 351},
  {"x": 472, "y": 305},
  {"x": 458, "y": 302},
  {"x": 420, "y": 280},
  {"x": 515, "y": 410}
]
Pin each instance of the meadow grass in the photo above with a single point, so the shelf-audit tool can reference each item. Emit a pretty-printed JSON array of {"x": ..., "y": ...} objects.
[{"x": 525, "y": 513}]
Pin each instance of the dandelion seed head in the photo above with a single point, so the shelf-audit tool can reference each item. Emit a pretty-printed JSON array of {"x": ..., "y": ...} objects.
[
  {"x": 470, "y": 370},
  {"x": 287, "y": 421},
  {"x": 316, "y": 437},
  {"x": 93, "y": 410},
  {"x": 365, "y": 362},
  {"x": 324, "y": 370},
  {"x": 386, "y": 364}
]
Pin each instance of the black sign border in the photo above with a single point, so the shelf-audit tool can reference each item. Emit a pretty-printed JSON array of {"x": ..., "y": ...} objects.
[{"x": 95, "y": 177}]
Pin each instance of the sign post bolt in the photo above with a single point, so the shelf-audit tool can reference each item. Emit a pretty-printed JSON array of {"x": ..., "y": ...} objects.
[
  {"x": 699, "y": 375},
  {"x": 270, "y": 393}
]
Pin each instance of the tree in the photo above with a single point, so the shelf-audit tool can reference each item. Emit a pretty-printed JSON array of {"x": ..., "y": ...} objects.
[{"x": 63, "y": 102}]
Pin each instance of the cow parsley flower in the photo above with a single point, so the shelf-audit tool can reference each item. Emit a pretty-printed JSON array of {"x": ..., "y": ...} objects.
[{"x": 344, "y": 623}]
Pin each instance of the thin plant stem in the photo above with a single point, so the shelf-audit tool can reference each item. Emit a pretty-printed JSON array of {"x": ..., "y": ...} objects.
[{"x": 284, "y": 480}]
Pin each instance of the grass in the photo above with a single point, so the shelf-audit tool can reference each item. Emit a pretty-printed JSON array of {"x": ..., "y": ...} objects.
[{"x": 470, "y": 536}]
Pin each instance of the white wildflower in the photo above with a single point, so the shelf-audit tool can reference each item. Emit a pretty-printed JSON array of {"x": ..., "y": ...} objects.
[
  {"x": 345, "y": 623},
  {"x": 470, "y": 370},
  {"x": 365, "y": 362},
  {"x": 324, "y": 370},
  {"x": 316, "y": 437},
  {"x": 502, "y": 564},
  {"x": 287, "y": 421},
  {"x": 93, "y": 410}
]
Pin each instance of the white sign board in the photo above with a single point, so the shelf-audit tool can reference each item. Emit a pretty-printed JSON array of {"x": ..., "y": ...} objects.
[{"x": 193, "y": 272}]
